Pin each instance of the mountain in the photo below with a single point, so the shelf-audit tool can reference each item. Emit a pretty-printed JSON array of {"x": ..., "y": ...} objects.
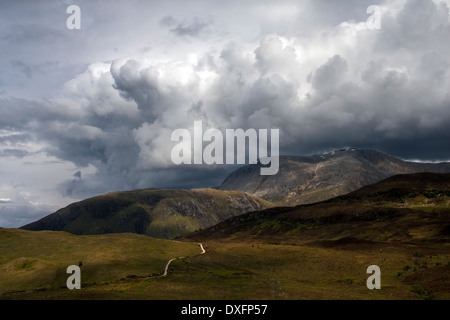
[
  {"x": 314, "y": 251},
  {"x": 310, "y": 179},
  {"x": 153, "y": 212},
  {"x": 402, "y": 208},
  {"x": 172, "y": 213}
]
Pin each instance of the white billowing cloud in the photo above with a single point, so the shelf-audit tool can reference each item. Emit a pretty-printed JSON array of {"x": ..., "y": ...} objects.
[
  {"x": 315, "y": 72},
  {"x": 93, "y": 92},
  {"x": 316, "y": 91},
  {"x": 274, "y": 56},
  {"x": 155, "y": 146},
  {"x": 343, "y": 78}
]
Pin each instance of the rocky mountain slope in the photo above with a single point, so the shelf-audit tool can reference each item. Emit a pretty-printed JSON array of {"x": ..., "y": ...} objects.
[
  {"x": 403, "y": 208},
  {"x": 310, "y": 179},
  {"x": 153, "y": 212}
]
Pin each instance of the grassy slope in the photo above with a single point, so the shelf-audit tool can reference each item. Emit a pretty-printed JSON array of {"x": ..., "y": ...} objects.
[
  {"x": 401, "y": 224},
  {"x": 237, "y": 270},
  {"x": 157, "y": 213},
  {"x": 252, "y": 270},
  {"x": 36, "y": 261},
  {"x": 311, "y": 252},
  {"x": 217, "y": 203}
]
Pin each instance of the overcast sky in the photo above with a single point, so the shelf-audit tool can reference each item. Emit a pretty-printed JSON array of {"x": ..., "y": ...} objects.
[{"x": 88, "y": 111}]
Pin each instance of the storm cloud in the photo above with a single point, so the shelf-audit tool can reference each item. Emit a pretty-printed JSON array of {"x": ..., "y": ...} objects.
[{"x": 313, "y": 69}]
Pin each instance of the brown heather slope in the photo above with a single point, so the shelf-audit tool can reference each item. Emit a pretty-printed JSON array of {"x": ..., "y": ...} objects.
[
  {"x": 311, "y": 179},
  {"x": 154, "y": 212},
  {"x": 322, "y": 250},
  {"x": 403, "y": 208}
]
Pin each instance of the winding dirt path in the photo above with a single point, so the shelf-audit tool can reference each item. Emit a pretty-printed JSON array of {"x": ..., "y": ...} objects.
[
  {"x": 201, "y": 247},
  {"x": 166, "y": 270},
  {"x": 167, "y": 266}
]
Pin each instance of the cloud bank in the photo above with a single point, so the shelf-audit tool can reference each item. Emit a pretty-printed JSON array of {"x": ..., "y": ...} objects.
[{"x": 313, "y": 70}]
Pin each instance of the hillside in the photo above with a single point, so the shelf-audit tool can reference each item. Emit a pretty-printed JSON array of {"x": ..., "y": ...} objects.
[
  {"x": 35, "y": 262},
  {"x": 153, "y": 212},
  {"x": 402, "y": 208},
  {"x": 303, "y": 180},
  {"x": 314, "y": 251}
]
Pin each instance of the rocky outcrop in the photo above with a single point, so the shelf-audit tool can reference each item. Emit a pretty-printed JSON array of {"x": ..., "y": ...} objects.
[{"x": 303, "y": 180}]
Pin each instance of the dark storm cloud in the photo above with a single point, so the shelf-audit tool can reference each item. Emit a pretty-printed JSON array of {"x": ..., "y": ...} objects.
[
  {"x": 13, "y": 215},
  {"x": 332, "y": 13},
  {"x": 310, "y": 69},
  {"x": 419, "y": 25},
  {"x": 21, "y": 34},
  {"x": 30, "y": 70},
  {"x": 27, "y": 70},
  {"x": 21, "y": 114},
  {"x": 192, "y": 29},
  {"x": 172, "y": 178},
  {"x": 138, "y": 85},
  {"x": 13, "y": 153},
  {"x": 380, "y": 97},
  {"x": 15, "y": 138},
  {"x": 168, "y": 21},
  {"x": 328, "y": 76}
]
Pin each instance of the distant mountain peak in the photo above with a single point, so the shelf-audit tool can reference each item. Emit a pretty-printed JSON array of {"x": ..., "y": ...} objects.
[{"x": 309, "y": 179}]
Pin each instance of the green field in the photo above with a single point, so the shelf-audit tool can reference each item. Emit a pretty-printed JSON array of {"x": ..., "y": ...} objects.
[
  {"x": 33, "y": 263},
  {"x": 126, "y": 266}
]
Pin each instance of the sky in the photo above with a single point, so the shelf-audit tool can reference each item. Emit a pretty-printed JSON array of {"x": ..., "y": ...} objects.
[{"x": 91, "y": 110}]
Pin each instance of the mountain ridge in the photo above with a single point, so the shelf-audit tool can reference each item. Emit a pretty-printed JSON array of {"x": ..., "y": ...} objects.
[
  {"x": 160, "y": 213},
  {"x": 402, "y": 208},
  {"x": 169, "y": 213},
  {"x": 309, "y": 179}
]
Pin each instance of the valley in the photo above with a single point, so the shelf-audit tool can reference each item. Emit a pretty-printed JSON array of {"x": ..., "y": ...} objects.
[
  {"x": 314, "y": 251},
  {"x": 253, "y": 243},
  {"x": 269, "y": 271}
]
